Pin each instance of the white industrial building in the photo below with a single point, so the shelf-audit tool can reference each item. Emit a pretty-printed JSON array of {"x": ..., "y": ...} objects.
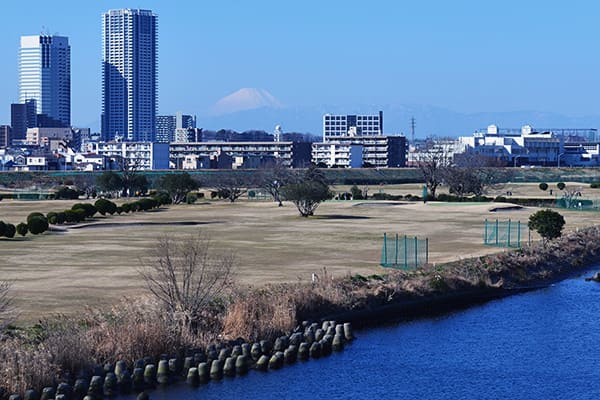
[{"x": 523, "y": 147}]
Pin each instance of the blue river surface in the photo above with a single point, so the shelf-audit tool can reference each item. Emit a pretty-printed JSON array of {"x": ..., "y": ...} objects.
[{"x": 543, "y": 344}]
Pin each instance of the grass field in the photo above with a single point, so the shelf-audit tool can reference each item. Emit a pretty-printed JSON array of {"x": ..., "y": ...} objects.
[{"x": 96, "y": 263}]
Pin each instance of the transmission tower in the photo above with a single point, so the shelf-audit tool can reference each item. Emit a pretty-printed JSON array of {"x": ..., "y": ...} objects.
[{"x": 412, "y": 130}]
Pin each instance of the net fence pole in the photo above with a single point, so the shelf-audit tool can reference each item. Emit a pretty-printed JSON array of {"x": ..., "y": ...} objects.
[
  {"x": 496, "y": 232},
  {"x": 405, "y": 252},
  {"x": 509, "y": 232},
  {"x": 426, "y": 250},
  {"x": 396, "y": 250},
  {"x": 416, "y": 252},
  {"x": 518, "y": 233},
  {"x": 485, "y": 233},
  {"x": 385, "y": 263}
]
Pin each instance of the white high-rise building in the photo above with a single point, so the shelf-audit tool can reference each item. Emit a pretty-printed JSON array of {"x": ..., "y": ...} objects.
[
  {"x": 129, "y": 75},
  {"x": 45, "y": 75}
]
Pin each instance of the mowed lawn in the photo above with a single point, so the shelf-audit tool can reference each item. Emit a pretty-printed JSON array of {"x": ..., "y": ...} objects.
[{"x": 97, "y": 264}]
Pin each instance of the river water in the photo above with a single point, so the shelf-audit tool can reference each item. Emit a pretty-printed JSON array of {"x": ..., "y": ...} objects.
[{"x": 538, "y": 345}]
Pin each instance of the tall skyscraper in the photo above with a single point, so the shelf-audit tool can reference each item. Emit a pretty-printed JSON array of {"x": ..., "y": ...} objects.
[
  {"x": 45, "y": 76},
  {"x": 129, "y": 75}
]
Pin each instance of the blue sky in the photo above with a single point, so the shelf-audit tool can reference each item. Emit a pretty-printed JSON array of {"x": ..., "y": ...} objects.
[{"x": 467, "y": 56}]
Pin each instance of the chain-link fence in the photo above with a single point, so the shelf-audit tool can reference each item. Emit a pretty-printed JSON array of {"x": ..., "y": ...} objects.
[
  {"x": 506, "y": 233},
  {"x": 403, "y": 252}
]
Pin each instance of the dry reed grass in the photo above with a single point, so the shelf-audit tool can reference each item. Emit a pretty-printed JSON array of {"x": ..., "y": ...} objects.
[{"x": 60, "y": 347}]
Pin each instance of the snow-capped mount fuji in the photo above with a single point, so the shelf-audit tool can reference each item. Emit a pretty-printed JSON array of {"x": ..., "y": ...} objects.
[{"x": 245, "y": 99}]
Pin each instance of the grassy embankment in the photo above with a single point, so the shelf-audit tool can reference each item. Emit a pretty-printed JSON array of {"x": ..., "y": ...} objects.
[{"x": 273, "y": 245}]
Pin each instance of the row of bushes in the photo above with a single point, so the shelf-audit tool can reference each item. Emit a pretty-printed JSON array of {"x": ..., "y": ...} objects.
[
  {"x": 387, "y": 196},
  {"x": 39, "y": 223},
  {"x": 36, "y": 224}
]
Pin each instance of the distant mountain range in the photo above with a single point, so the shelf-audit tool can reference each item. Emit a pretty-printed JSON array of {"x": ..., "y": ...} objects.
[{"x": 251, "y": 108}]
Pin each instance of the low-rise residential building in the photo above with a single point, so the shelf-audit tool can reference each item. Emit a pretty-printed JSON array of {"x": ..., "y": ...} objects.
[
  {"x": 90, "y": 162},
  {"x": 380, "y": 151},
  {"x": 42, "y": 136},
  {"x": 139, "y": 155},
  {"x": 290, "y": 154},
  {"x": 338, "y": 155}
]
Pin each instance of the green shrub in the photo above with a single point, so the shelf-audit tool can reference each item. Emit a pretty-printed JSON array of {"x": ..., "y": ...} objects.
[
  {"x": 61, "y": 217},
  {"x": 548, "y": 223},
  {"x": 543, "y": 186},
  {"x": 52, "y": 218},
  {"x": 561, "y": 185},
  {"x": 67, "y": 193},
  {"x": 37, "y": 225},
  {"x": 10, "y": 231},
  {"x": 595, "y": 185},
  {"x": 71, "y": 216},
  {"x": 163, "y": 198},
  {"x": 145, "y": 204},
  {"x": 126, "y": 207},
  {"x": 88, "y": 209},
  {"x": 22, "y": 229},
  {"x": 104, "y": 206},
  {"x": 480, "y": 199},
  {"x": 356, "y": 193},
  {"x": 35, "y": 215},
  {"x": 191, "y": 198},
  {"x": 387, "y": 196}
]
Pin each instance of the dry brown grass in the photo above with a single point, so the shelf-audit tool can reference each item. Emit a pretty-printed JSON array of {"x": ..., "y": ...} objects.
[{"x": 62, "y": 271}]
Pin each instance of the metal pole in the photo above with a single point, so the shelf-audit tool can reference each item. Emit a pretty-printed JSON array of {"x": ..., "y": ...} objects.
[
  {"x": 426, "y": 250},
  {"x": 384, "y": 249},
  {"x": 405, "y": 252},
  {"x": 485, "y": 235},
  {"x": 519, "y": 233},
  {"x": 496, "y": 232},
  {"x": 416, "y": 252},
  {"x": 508, "y": 233},
  {"x": 396, "y": 250}
]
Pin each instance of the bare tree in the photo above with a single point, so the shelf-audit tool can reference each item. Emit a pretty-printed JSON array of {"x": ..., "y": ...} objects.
[
  {"x": 86, "y": 183},
  {"x": 187, "y": 278},
  {"x": 570, "y": 195},
  {"x": 132, "y": 178},
  {"x": 273, "y": 177},
  {"x": 432, "y": 162},
  {"x": 230, "y": 184},
  {"x": 472, "y": 173}
]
